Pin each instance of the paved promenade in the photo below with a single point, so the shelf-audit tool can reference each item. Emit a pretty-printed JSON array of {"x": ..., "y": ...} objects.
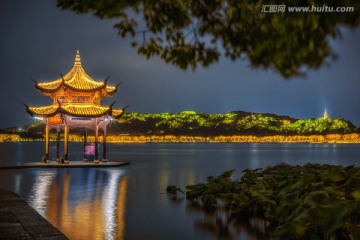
[{"x": 20, "y": 221}]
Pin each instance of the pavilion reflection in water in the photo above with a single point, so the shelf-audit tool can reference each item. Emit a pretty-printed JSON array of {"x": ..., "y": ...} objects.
[{"x": 84, "y": 205}]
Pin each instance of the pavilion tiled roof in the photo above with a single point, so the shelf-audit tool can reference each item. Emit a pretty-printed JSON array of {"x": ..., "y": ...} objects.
[
  {"x": 76, "y": 110},
  {"x": 43, "y": 111},
  {"x": 84, "y": 111},
  {"x": 77, "y": 80},
  {"x": 117, "y": 113},
  {"x": 76, "y": 104}
]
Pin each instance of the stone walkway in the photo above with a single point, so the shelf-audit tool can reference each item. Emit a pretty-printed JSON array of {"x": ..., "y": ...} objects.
[{"x": 20, "y": 221}]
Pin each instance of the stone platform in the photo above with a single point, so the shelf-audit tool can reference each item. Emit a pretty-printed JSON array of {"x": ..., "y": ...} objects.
[
  {"x": 20, "y": 221},
  {"x": 71, "y": 164}
]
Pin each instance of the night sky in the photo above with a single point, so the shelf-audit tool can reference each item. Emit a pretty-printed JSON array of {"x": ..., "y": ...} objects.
[{"x": 39, "y": 40}]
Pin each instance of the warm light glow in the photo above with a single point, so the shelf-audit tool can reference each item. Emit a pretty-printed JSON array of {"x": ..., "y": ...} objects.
[
  {"x": 325, "y": 114},
  {"x": 110, "y": 88},
  {"x": 40, "y": 191},
  {"x": 77, "y": 59},
  {"x": 76, "y": 79},
  {"x": 116, "y": 112},
  {"x": 110, "y": 204},
  {"x": 75, "y": 94},
  {"x": 98, "y": 212},
  {"x": 38, "y": 118},
  {"x": 85, "y": 110},
  {"x": 55, "y": 120},
  {"x": 50, "y": 85}
]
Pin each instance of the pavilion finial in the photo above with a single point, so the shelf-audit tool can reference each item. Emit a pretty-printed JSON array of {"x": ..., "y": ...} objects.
[{"x": 77, "y": 59}]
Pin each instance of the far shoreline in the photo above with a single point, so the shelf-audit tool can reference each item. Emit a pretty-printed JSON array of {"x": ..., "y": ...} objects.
[{"x": 350, "y": 138}]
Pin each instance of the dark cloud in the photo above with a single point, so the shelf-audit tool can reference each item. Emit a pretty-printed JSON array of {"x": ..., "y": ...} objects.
[{"x": 39, "y": 40}]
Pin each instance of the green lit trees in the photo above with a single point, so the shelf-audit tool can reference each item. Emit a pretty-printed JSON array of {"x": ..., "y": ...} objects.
[{"x": 232, "y": 123}]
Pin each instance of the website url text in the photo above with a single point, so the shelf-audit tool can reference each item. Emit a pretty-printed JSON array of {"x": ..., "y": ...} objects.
[{"x": 312, "y": 9}]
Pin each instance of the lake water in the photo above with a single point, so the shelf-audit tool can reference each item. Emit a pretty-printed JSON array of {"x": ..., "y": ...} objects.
[{"x": 130, "y": 202}]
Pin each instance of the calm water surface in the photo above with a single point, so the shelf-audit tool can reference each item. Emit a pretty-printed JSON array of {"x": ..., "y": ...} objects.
[{"x": 130, "y": 202}]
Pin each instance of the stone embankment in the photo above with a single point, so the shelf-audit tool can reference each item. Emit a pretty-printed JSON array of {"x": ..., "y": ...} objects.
[{"x": 20, "y": 221}]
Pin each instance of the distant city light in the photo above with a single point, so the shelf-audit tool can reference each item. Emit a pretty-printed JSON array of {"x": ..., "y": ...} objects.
[{"x": 38, "y": 118}]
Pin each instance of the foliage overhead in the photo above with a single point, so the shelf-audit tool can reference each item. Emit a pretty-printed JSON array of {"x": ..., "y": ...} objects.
[{"x": 187, "y": 33}]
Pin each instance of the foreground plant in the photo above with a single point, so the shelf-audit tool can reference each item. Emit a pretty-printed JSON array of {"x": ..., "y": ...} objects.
[{"x": 299, "y": 202}]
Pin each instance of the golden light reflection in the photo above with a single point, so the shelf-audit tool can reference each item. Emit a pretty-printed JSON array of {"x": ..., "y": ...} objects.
[
  {"x": 121, "y": 203},
  {"x": 94, "y": 209},
  {"x": 39, "y": 193},
  {"x": 109, "y": 205}
]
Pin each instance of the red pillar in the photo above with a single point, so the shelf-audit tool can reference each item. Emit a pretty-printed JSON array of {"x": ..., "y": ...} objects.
[
  {"x": 66, "y": 142},
  {"x": 46, "y": 142},
  {"x": 104, "y": 145},
  {"x": 96, "y": 160},
  {"x": 58, "y": 144},
  {"x": 85, "y": 142}
]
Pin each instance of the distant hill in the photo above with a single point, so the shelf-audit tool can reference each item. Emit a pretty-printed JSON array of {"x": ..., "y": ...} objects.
[{"x": 233, "y": 123}]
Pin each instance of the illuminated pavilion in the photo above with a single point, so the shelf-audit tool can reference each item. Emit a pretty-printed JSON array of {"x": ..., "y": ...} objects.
[{"x": 76, "y": 104}]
